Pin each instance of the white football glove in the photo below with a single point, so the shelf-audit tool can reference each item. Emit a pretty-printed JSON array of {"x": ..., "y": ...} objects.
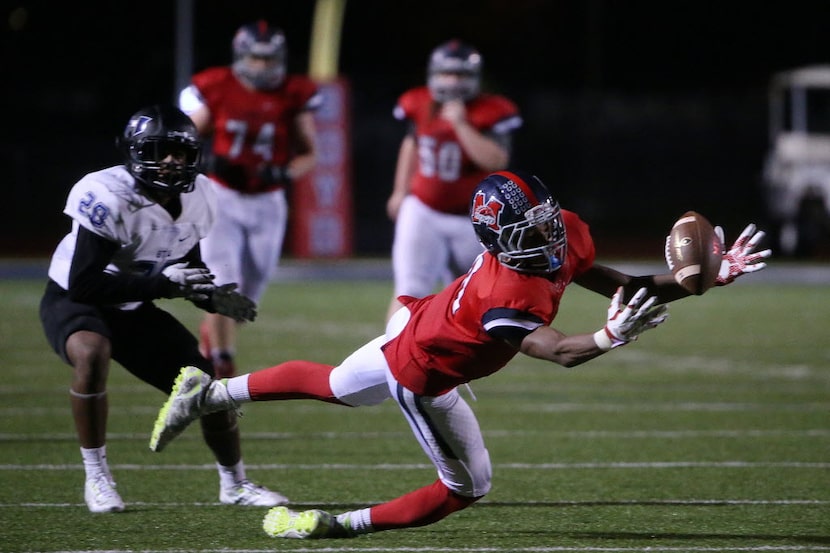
[
  {"x": 194, "y": 283},
  {"x": 740, "y": 259},
  {"x": 626, "y": 324},
  {"x": 226, "y": 301}
]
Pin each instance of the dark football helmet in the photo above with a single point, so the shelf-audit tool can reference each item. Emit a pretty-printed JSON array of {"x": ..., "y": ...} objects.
[
  {"x": 454, "y": 72},
  {"x": 259, "y": 55},
  {"x": 162, "y": 149},
  {"x": 517, "y": 219}
]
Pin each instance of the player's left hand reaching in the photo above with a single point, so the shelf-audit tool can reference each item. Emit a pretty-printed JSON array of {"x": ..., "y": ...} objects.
[{"x": 741, "y": 258}]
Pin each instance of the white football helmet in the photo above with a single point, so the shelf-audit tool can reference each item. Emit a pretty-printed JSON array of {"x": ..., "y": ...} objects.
[
  {"x": 259, "y": 55},
  {"x": 454, "y": 72}
]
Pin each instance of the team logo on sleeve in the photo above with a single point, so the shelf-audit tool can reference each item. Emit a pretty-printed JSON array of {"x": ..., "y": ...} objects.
[{"x": 487, "y": 213}]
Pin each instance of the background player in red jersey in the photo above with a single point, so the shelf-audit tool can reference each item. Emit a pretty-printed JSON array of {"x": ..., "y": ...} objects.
[
  {"x": 260, "y": 121},
  {"x": 474, "y": 327},
  {"x": 457, "y": 135}
]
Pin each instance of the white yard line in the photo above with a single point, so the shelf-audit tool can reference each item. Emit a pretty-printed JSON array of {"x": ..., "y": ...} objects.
[
  {"x": 580, "y": 434},
  {"x": 420, "y": 466},
  {"x": 540, "y": 549}
]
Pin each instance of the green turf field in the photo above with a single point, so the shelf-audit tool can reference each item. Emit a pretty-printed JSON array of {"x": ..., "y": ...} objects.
[{"x": 712, "y": 433}]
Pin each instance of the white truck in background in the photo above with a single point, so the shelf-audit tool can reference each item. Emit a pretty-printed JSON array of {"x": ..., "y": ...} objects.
[{"x": 796, "y": 177}]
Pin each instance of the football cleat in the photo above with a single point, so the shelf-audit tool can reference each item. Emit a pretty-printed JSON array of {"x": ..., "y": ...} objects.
[
  {"x": 100, "y": 495},
  {"x": 250, "y": 494},
  {"x": 194, "y": 394},
  {"x": 281, "y": 522}
]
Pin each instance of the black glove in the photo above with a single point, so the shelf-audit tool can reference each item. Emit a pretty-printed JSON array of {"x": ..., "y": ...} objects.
[
  {"x": 275, "y": 175},
  {"x": 232, "y": 173},
  {"x": 226, "y": 301}
]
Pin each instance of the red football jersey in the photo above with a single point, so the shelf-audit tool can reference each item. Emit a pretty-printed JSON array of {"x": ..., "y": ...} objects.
[
  {"x": 446, "y": 176},
  {"x": 253, "y": 127},
  {"x": 452, "y": 336}
]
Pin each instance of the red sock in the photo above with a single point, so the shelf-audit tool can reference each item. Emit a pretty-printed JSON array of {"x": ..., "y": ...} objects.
[
  {"x": 292, "y": 380},
  {"x": 419, "y": 508}
]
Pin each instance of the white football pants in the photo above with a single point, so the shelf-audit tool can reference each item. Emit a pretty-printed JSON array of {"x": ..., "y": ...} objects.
[
  {"x": 245, "y": 243},
  {"x": 445, "y": 426},
  {"x": 430, "y": 248}
]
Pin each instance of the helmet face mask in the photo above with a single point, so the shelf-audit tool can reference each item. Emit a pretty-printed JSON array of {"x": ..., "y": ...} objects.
[
  {"x": 518, "y": 221},
  {"x": 259, "y": 56},
  {"x": 161, "y": 149},
  {"x": 454, "y": 72}
]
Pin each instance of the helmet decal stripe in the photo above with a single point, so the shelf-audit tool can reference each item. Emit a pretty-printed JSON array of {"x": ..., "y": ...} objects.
[{"x": 522, "y": 185}]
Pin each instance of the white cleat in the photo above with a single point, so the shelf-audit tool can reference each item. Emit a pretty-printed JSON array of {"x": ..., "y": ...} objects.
[
  {"x": 100, "y": 495},
  {"x": 250, "y": 494}
]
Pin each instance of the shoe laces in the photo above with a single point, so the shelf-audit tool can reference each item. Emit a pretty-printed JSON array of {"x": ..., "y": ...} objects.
[
  {"x": 104, "y": 486},
  {"x": 248, "y": 486}
]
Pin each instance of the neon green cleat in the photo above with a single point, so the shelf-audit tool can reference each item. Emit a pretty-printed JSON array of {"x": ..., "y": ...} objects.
[
  {"x": 194, "y": 394},
  {"x": 281, "y": 522}
]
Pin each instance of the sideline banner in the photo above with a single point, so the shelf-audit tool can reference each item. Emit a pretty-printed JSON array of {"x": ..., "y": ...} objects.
[{"x": 321, "y": 203}]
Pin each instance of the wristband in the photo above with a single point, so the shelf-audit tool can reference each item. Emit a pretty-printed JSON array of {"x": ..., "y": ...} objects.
[
  {"x": 602, "y": 340},
  {"x": 606, "y": 341}
]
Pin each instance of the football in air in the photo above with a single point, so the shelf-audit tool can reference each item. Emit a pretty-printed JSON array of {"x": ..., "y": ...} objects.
[{"x": 694, "y": 252}]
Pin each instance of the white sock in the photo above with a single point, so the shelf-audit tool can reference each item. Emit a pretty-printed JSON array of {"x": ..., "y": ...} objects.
[
  {"x": 229, "y": 476},
  {"x": 356, "y": 522},
  {"x": 95, "y": 461},
  {"x": 238, "y": 388}
]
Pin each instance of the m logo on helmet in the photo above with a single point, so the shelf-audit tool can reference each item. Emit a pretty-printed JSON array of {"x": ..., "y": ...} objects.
[{"x": 487, "y": 213}]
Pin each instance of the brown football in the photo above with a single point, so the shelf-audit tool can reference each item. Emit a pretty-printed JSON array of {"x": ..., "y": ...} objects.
[{"x": 694, "y": 252}]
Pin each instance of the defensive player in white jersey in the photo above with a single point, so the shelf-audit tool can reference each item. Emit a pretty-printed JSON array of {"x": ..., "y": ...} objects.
[
  {"x": 504, "y": 305},
  {"x": 135, "y": 237}
]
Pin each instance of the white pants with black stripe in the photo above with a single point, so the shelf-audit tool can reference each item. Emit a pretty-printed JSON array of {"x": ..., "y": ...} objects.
[{"x": 445, "y": 426}]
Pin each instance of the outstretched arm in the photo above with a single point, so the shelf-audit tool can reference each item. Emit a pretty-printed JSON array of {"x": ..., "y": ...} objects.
[
  {"x": 738, "y": 260},
  {"x": 605, "y": 281},
  {"x": 625, "y": 322}
]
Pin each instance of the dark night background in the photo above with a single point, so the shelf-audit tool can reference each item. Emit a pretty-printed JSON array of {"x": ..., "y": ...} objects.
[{"x": 635, "y": 111}]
